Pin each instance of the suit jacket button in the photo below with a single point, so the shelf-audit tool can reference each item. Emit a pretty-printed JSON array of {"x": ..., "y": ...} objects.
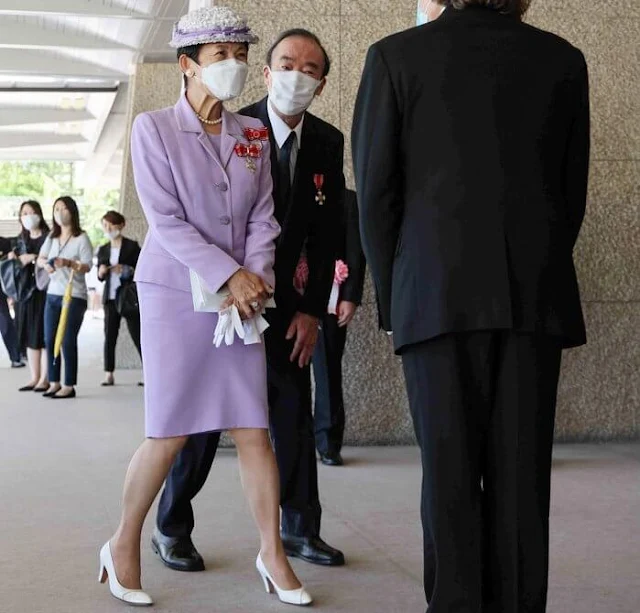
[
  {"x": 223, "y": 187},
  {"x": 225, "y": 220}
]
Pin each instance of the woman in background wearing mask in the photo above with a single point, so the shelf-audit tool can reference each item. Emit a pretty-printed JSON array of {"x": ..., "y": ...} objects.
[
  {"x": 203, "y": 176},
  {"x": 117, "y": 261},
  {"x": 67, "y": 251},
  {"x": 30, "y": 313}
]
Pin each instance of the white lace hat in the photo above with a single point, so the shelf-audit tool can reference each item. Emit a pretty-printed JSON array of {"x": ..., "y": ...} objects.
[{"x": 218, "y": 24}]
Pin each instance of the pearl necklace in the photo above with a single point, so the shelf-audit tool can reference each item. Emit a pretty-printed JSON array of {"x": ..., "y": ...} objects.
[{"x": 209, "y": 122}]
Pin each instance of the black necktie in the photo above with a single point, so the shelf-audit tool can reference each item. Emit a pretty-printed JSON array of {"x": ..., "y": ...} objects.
[{"x": 284, "y": 170}]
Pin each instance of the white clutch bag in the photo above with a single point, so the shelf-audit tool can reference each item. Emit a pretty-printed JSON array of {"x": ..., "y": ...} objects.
[{"x": 230, "y": 324}]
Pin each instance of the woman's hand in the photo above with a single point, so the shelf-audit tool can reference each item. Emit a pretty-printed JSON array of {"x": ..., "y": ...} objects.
[
  {"x": 249, "y": 292},
  {"x": 103, "y": 271},
  {"x": 62, "y": 263},
  {"x": 11, "y": 255},
  {"x": 26, "y": 259}
]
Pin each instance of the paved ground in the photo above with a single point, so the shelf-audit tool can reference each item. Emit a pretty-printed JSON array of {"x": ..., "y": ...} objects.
[{"x": 62, "y": 466}]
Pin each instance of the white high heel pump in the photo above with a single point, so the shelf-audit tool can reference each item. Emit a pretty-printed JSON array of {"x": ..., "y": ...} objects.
[
  {"x": 298, "y": 597},
  {"x": 136, "y": 598}
]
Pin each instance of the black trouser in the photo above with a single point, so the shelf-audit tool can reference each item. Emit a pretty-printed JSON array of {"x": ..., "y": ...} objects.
[
  {"x": 483, "y": 407},
  {"x": 327, "y": 372},
  {"x": 112, "y": 321},
  {"x": 8, "y": 330},
  {"x": 291, "y": 423}
]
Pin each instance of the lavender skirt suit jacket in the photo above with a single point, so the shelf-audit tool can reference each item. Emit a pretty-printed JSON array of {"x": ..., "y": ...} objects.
[{"x": 207, "y": 211}]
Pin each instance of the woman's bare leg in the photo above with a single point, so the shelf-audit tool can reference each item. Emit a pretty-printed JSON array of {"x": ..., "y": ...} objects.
[
  {"x": 41, "y": 356},
  {"x": 145, "y": 476},
  {"x": 33, "y": 357},
  {"x": 261, "y": 483}
]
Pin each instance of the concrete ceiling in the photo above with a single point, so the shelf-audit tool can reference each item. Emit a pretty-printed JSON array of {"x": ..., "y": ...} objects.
[{"x": 64, "y": 72}]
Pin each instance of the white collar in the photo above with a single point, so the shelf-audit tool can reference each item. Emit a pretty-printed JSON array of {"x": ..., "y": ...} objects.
[{"x": 281, "y": 130}]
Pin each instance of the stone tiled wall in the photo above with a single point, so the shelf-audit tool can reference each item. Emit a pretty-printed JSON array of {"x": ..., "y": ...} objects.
[{"x": 600, "y": 388}]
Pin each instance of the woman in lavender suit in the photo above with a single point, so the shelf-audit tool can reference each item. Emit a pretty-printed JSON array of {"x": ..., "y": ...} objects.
[{"x": 204, "y": 180}]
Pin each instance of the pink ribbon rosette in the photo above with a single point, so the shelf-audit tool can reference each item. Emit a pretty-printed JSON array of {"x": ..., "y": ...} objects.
[{"x": 340, "y": 276}]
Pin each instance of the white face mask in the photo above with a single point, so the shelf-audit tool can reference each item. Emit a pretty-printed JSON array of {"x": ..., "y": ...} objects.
[
  {"x": 292, "y": 92},
  {"x": 112, "y": 235},
  {"x": 29, "y": 222},
  {"x": 226, "y": 79},
  {"x": 62, "y": 219}
]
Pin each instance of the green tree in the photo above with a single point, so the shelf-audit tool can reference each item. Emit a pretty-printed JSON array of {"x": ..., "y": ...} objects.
[{"x": 46, "y": 181}]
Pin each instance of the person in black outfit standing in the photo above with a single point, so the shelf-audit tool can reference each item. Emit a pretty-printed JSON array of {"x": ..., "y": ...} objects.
[
  {"x": 329, "y": 416},
  {"x": 471, "y": 152},
  {"x": 30, "y": 313},
  {"x": 307, "y": 168},
  {"x": 117, "y": 261},
  {"x": 7, "y": 325}
]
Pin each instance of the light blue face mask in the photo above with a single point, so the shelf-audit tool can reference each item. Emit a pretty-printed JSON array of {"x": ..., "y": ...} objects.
[{"x": 422, "y": 17}]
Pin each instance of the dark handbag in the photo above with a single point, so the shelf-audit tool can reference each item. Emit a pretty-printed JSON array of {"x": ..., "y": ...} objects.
[
  {"x": 17, "y": 282},
  {"x": 127, "y": 300}
]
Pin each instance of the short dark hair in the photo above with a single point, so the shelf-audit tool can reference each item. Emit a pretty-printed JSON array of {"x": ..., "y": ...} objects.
[
  {"x": 115, "y": 218},
  {"x": 516, "y": 8},
  {"x": 302, "y": 33},
  {"x": 72, "y": 207}
]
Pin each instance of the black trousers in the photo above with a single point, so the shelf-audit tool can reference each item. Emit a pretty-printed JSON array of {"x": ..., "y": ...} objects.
[
  {"x": 112, "y": 321},
  {"x": 483, "y": 407},
  {"x": 329, "y": 415},
  {"x": 291, "y": 424}
]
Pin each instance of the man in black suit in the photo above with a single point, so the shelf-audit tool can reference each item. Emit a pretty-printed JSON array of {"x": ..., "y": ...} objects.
[
  {"x": 471, "y": 152},
  {"x": 307, "y": 166},
  {"x": 329, "y": 416}
]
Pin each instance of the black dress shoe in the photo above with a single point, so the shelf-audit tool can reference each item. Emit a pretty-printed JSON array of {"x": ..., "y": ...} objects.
[
  {"x": 28, "y": 388},
  {"x": 18, "y": 364},
  {"x": 331, "y": 458},
  {"x": 312, "y": 549},
  {"x": 50, "y": 394},
  {"x": 177, "y": 553}
]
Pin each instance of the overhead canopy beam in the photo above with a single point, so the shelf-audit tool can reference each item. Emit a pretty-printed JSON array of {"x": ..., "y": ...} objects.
[
  {"x": 31, "y": 36},
  {"x": 15, "y": 155},
  {"x": 78, "y": 8},
  {"x": 26, "y": 115},
  {"x": 21, "y": 62},
  {"x": 20, "y": 140}
]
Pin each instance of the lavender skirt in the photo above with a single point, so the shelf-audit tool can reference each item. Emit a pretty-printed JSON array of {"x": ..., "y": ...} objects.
[{"x": 190, "y": 385}]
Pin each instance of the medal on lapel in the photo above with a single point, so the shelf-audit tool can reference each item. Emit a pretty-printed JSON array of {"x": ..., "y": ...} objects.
[
  {"x": 318, "y": 181},
  {"x": 253, "y": 150}
]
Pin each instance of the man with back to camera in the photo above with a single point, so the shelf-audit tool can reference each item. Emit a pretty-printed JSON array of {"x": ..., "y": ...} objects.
[
  {"x": 471, "y": 155},
  {"x": 307, "y": 168}
]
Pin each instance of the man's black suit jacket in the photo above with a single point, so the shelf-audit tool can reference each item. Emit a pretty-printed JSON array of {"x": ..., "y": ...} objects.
[
  {"x": 303, "y": 219},
  {"x": 350, "y": 250},
  {"x": 471, "y": 153}
]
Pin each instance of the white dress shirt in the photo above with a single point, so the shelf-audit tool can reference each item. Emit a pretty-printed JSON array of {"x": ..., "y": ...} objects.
[
  {"x": 281, "y": 132},
  {"x": 114, "y": 282}
]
